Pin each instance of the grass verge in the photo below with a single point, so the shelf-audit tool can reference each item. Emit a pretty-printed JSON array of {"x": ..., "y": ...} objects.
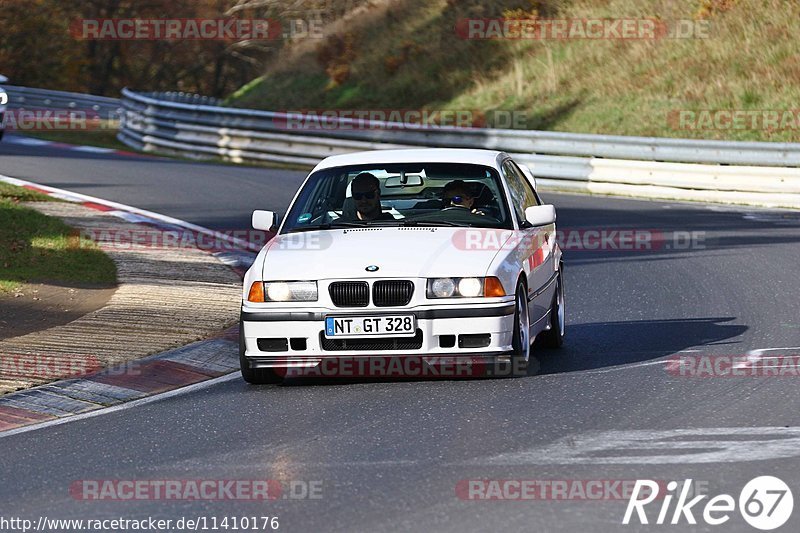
[
  {"x": 103, "y": 137},
  {"x": 35, "y": 247}
]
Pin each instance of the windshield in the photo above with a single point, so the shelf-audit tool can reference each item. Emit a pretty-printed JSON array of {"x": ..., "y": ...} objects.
[{"x": 408, "y": 194}]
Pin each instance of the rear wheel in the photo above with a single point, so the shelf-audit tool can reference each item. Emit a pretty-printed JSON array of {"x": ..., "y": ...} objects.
[
  {"x": 554, "y": 337},
  {"x": 521, "y": 339},
  {"x": 256, "y": 376}
]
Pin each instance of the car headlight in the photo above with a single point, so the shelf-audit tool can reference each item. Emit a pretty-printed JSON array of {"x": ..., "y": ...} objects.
[
  {"x": 465, "y": 288},
  {"x": 441, "y": 288},
  {"x": 283, "y": 291},
  {"x": 470, "y": 287}
]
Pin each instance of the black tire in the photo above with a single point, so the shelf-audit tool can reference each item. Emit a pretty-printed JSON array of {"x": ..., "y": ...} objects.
[
  {"x": 519, "y": 360},
  {"x": 554, "y": 337},
  {"x": 256, "y": 376}
]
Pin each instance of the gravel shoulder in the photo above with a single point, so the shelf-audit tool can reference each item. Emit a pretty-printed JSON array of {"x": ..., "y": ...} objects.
[
  {"x": 36, "y": 306},
  {"x": 167, "y": 297}
]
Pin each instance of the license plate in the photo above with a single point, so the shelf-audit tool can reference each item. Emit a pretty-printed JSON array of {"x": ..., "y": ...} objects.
[{"x": 371, "y": 326}]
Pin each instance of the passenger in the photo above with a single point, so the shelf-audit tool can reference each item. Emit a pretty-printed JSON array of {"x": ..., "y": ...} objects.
[{"x": 458, "y": 195}]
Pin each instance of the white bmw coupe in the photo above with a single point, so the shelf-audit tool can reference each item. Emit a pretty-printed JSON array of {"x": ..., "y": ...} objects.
[{"x": 395, "y": 253}]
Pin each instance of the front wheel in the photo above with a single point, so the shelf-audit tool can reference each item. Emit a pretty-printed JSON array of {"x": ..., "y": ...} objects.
[
  {"x": 521, "y": 338},
  {"x": 256, "y": 376},
  {"x": 554, "y": 337}
]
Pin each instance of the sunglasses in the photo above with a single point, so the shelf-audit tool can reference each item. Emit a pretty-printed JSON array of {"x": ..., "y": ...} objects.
[
  {"x": 369, "y": 195},
  {"x": 455, "y": 199}
]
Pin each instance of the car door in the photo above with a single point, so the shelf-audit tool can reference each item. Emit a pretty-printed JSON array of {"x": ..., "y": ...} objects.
[{"x": 536, "y": 243}]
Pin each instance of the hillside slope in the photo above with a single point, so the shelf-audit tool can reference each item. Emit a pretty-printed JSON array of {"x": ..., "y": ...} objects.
[{"x": 408, "y": 54}]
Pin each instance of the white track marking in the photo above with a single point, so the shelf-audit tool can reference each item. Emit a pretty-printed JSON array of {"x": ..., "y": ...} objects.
[
  {"x": 26, "y": 141},
  {"x": 78, "y": 197},
  {"x": 648, "y": 446},
  {"x": 94, "y": 149},
  {"x": 756, "y": 356},
  {"x": 122, "y": 407},
  {"x": 31, "y": 141},
  {"x": 623, "y": 366}
]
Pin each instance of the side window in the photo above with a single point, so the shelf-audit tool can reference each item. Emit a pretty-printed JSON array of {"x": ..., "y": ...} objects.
[
  {"x": 522, "y": 194},
  {"x": 531, "y": 192}
]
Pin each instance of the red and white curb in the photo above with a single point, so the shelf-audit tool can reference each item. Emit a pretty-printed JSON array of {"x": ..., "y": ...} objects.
[
  {"x": 237, "y": 254},
  {"x": 202, "y": 363}
]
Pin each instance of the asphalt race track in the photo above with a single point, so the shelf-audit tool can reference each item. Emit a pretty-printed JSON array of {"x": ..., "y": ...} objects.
[{"x": 397, "y": 455}]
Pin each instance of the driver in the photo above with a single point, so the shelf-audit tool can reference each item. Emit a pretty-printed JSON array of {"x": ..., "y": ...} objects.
[
  {"x": 458, "y": 195},
  {"x": 366, "y": 191}
]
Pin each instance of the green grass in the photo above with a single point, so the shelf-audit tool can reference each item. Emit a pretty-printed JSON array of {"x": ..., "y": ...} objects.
[
  {"x": 407, "y": 56},
  {"x": 399, "y": 54},
  {"x": 35, "y": 247},
  {"x": 105, "y": 137},
  {"x": 12, "y": 193}
]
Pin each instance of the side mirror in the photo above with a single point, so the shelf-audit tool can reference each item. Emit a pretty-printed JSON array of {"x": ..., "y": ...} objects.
[
  {"x": 263, "y": 220},
  {"x": 540, "y": 215},
  {"x": 528, "y": 174}
]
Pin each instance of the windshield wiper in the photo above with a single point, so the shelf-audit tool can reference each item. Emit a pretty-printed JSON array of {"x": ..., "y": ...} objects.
[
  {"x": 329, "y": 225},
  {"x": 443, "y": 223}
]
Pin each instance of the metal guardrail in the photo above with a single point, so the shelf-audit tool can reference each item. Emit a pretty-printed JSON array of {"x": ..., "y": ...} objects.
[
  {"x": 520, "y": 141},
  {"x": 186, "y": 98},
  {"x": 637, "y": 166},
  {"x": 31, "y": 98}
]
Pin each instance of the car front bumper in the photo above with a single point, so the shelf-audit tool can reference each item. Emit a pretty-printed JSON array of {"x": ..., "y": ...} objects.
[{"x": 451, "y": 331}]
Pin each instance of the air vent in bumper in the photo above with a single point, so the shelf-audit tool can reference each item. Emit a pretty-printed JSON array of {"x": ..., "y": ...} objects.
[{"x": 387, "y": 343}]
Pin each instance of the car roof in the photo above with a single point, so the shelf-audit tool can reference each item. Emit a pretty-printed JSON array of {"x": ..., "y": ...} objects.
[{"x": 416, "y": 155}]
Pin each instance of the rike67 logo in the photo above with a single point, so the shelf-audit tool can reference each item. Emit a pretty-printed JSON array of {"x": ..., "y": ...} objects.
[{"x": 766, "y": 503}]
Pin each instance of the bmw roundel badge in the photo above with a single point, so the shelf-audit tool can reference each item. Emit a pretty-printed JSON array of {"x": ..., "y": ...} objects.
[{"x": 372, "y": 268}]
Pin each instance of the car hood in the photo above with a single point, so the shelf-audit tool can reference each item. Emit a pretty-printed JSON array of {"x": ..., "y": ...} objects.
[{"x": 397, "y": 252}]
